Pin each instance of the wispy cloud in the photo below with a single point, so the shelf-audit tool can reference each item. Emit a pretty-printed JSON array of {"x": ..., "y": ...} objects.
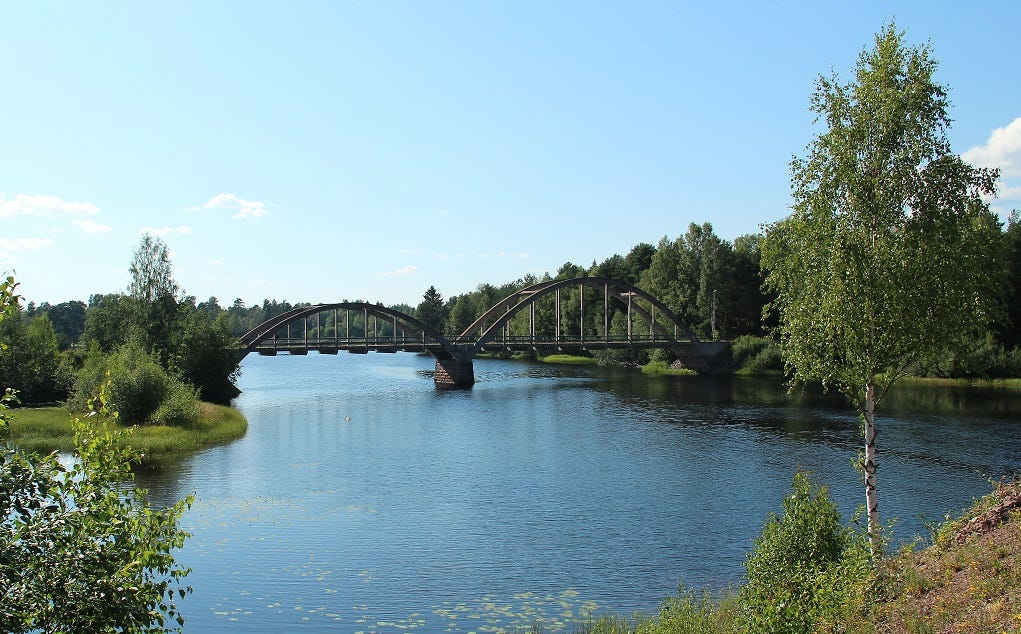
[
  {"x": 402, "y": 271},
  {"x": 166, "y": 231},
  {"x": 11, "y": 247},
  {"x": 24, "y": 244},
  {"x": 483, "y": 256},
  {"x": 245, "y": 208},
  {"x": 1010, "y": 192},
  {"x": 91, "y": 227},
  {"x": 43, "y": 206}
]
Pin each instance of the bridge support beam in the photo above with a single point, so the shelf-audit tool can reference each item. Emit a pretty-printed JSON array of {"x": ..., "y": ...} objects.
[{"x": 454, "y": 373}]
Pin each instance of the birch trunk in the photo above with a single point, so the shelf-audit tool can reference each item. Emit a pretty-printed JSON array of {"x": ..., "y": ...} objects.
[{"x": 871, "y": 501}]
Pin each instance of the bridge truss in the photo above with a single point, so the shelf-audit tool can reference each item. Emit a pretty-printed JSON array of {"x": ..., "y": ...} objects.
[{"x": 359, "y": 327}]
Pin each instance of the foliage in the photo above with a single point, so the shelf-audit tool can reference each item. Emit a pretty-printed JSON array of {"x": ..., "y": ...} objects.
[
  {"x": 805, "y": 568},
  {"x": 431, "y": 311},
  {"x": 1008, "y": 329},
  {"x": 205, "y": 355},
  {"x": 140, "y": 389},
  {"x": 890, "y": 253},
  {"x": 756, "y": 355},
  {"x": 77, "y": 552},
  {"x": 151, "y": 273},
  {"x": 662, "y": 367},
  {"x": 192, "y": 342},
  {"x": 694, "y": 614},
  {"x": 30, "y": 359}
]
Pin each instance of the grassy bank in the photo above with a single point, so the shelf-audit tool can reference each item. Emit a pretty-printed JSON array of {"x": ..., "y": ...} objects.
[
  {"x": 1011, "y": 384},
  {"x": 662, "y": 367},
  {"x": 570, "y": 359},
  {"x": 46, "y": 429}
]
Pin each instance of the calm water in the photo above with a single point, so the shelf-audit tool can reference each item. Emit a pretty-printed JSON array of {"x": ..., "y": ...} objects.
[{"x": 362, "y": 499}]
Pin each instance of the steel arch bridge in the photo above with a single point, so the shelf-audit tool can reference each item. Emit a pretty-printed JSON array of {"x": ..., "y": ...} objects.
[{"x": 383, "y": 329}]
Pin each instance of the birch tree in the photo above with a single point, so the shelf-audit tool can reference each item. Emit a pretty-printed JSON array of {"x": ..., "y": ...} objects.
[{"x": 890, "y": 252}]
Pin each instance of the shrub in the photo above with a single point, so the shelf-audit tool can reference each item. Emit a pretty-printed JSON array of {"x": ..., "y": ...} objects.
[
  {"x": 756, "y": 355},
  {"x": 806, "y": 570},
  {"x": 140, "y": 389},
  {"x": 691, "y": 614},
  {"x": 138, "y": 385},
  {"x": 180, "y": 406}
]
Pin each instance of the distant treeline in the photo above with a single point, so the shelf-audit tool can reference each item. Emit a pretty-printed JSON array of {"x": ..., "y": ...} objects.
[{"x": 702, "y": 278}]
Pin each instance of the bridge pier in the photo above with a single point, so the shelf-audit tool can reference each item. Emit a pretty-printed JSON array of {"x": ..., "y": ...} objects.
[{"x": 454, "y": 373}]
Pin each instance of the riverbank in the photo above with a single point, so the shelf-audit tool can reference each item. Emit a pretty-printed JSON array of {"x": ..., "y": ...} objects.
[
  {"x": 965, "y": 582},
  {"x": 46, "y": 429}
]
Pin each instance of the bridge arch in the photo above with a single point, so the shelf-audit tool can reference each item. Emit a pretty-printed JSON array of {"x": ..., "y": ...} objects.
[
  {"x": 669, "y": 326},
  {"x": 455, "y": 356},
  {"x": 414, "y": 332}
]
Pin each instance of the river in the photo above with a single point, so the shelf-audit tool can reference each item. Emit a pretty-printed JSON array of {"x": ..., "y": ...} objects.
[{"x": 362, "y": 499}]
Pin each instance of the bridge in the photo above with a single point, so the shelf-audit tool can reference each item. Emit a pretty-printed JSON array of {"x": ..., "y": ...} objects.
[{"x": 360, "y": 327}]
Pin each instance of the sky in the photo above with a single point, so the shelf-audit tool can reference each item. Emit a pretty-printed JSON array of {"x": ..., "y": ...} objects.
[{"x": 328, "y": 151}]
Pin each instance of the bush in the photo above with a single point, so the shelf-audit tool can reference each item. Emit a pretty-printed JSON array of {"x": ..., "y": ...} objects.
[
  {"x": 756, "y": 355},
  {"x": 180, "y": 406},
  {"x": 140, "y": 389},
  {"x": 692, "y": 614},
  {"x": 806, "y": 570},
  {"x": 138, "y": 385}
]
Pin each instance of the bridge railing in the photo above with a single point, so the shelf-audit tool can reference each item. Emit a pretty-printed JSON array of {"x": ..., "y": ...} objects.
[{"x": 283, "y": 343}]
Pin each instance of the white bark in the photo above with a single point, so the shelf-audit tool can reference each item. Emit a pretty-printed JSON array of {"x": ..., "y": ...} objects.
[{"x": 871, "y": 501}]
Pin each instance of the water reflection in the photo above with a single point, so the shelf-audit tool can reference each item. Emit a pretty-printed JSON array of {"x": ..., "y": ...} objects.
[{"x": 364, "y": 499}]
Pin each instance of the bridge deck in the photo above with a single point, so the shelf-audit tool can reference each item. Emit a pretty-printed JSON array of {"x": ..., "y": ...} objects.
[{"x": 331, "y": 345}]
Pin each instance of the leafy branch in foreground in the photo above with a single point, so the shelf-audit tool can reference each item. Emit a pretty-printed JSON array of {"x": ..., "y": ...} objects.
[{"x": 79, "y": 550}]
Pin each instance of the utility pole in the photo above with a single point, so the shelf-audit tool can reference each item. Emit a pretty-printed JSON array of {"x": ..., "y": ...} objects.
[{"x": 713, "y": 320}]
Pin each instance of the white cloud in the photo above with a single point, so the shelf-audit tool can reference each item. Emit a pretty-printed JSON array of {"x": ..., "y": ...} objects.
[
  {"x": 1009, "y": 192},
  {"x": 402, "y": 271},
  {"x": 90, "y": 226},
  {"x": 1002, "y": 150},
  {"x": 44, "y": 206},
  {"x": 166, "y": 231},
  {"x": 24, "y": 244},
  {"x": 245, "y": 208},
  {"x": 10, "y": 247},
  {"x": 441, "y": 256}
]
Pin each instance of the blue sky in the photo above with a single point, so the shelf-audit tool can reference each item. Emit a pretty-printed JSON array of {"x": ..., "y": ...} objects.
[{"x": 325, "y": 151}]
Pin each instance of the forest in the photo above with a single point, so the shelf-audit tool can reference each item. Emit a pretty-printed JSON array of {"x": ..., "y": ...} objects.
[{"x": 55, "y": 351}]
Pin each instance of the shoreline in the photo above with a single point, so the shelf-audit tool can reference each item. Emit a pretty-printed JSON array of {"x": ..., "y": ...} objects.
[{"x": 48, "y": 429}]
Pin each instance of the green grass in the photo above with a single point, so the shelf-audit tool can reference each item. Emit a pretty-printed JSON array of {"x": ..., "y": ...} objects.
[
  {"x": 1014, "y": 384},
  {"x": 569, "y": 359},
  {"x": 47, "y": 429},
  {"x": 661, "y": 367}
]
